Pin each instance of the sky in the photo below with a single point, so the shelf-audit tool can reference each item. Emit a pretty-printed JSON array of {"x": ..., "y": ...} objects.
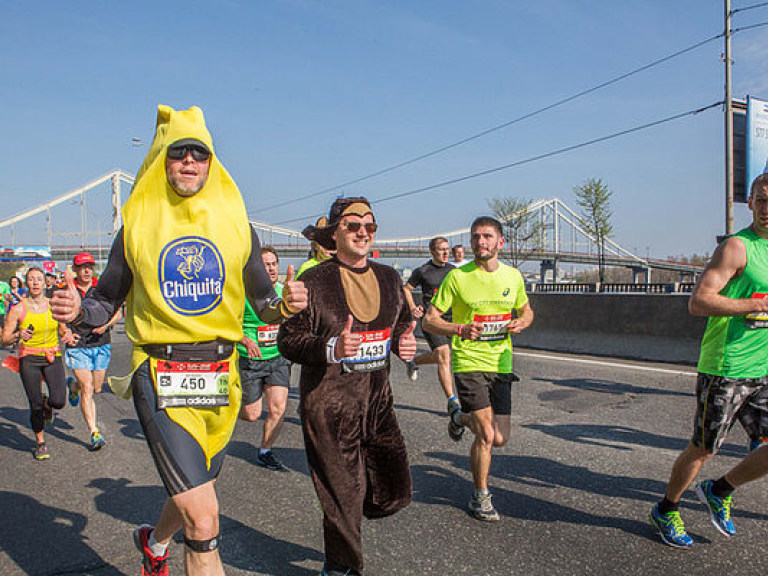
[{"x": 302, "y": 96}]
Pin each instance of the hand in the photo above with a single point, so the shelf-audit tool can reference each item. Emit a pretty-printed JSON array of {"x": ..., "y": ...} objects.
[
  {"x": 294, "y": 292},
  {"x": 471, "y": 331},
  {"x": 251, "y": 347},
  {"x": 70, "y": 338},
  {"x": 417, "y": 311},
  {"x": 65, "y": 304},
  {"x": 517, "y": 325},
  {"x": 100, "y": 329},
  {"x": 25, "y": 334},
  {"x": 408, "y": 345},
  {"x": 348, "y": 342}
]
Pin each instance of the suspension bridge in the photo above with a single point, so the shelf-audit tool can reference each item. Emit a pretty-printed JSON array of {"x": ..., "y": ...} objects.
[{"x": 88, "y": 217}]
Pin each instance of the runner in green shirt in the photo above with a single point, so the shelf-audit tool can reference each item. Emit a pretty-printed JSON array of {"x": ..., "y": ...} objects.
[
  {"x": 263, "y": 371},
  {"x": 482, "y": 296},
  {"x": 733, "y": 373},
  {"x": 5, "y": 299}
]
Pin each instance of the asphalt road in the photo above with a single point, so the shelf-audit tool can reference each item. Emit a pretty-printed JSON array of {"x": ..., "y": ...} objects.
[{"x": 592, "y": 444}]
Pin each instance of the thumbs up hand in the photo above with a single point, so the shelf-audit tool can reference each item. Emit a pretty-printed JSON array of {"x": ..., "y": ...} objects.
[
  {"x": 347, "y": 342},
  {"x": 65, "y": 302},
  {"x": 408, "y": 345},
  {"x": 294, "y": 292}
]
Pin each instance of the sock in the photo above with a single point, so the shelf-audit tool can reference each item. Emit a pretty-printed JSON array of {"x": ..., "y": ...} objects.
[
  {"x": 666, "y": 506},
  {"x": 155, "y": 547},
  {"x": 262, "y": 451},
  {"x": 482, "y": 491},
  {"x": 452, "y": 398},
  {"x": 722, "y": 488}
]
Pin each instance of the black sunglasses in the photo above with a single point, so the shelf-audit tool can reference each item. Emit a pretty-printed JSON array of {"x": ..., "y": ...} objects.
[
  {"x": 180, "y": 152},
  {"x": 353, "y": 227}
]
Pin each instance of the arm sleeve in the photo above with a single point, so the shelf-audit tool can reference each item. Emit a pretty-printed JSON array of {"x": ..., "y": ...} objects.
[
  {"x": 114, "y": 285},
  {"x": 297, "y": 341},
  {"x": 258, "y": 287}
]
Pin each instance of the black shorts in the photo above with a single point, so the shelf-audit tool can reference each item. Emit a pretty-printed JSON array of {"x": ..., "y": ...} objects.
[
  {"x": 178, "y": 456},
  {"x": 478, "y": 390},
  {"x": 254, "y": 374},
  {"x": 436, "y": 340},
  {"x": 720, "y": 401}
]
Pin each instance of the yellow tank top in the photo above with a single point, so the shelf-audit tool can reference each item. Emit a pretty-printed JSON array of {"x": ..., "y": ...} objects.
[
  {"x": 187, "y": 254},
  {"x": 45, "y": 336}
]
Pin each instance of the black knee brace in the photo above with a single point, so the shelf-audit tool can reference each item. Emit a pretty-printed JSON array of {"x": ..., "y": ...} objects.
[{"x": 203, "y": 545}]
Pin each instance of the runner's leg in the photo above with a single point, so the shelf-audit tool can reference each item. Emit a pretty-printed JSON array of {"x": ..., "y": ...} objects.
[{"x": 87, "y": 402}]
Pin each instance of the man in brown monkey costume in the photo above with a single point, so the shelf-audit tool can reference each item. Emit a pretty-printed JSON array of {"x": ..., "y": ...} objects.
[{"x": 356, "y": 314}]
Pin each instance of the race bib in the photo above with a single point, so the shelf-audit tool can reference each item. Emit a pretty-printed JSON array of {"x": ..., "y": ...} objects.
[
  {"x": 757, "y": 320},
  {"x": 267, "y": 335},
  {"x": 192, "y": 384},
  {"x": 494, "y": 326},
  {"x": 372, "y": 354}
]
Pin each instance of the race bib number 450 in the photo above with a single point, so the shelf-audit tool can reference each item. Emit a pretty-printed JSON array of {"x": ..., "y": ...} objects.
[
  {"x": 200, "y": 384},
  {"x": 757, "y": 319},
  {"x": 372, "y": 354},
  {"x": 494, "y": 326}
]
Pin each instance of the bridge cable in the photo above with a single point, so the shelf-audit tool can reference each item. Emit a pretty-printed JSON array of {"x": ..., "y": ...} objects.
[
  {"x": 521, "y": 162},
  {"x": 495, "y": 128}
]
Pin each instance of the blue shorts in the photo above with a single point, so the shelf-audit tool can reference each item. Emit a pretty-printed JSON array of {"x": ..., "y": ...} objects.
[{"x": 96, "y": 358}]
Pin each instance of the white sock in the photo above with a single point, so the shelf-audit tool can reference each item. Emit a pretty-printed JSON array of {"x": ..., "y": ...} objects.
[
  {"x": 263, "y": 451},
  {"x": 155, "y": 547}
]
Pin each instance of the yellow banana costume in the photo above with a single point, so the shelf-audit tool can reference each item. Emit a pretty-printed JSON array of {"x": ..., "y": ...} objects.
[{"x": 187, "y": 256}]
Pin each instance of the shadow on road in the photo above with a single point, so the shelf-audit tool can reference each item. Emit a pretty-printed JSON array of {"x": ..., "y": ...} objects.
[
  {"x": 610, "y": 387},
  {"x": 294, "y": 459},
  {"x": 62, "y": 547},
  {"x": 20, "y": 436},
  {"x": 244, "y": 547}
]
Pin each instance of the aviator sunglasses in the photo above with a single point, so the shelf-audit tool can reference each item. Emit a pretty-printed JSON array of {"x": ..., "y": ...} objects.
[
  {"x": 353, "y": 227},
  {"x": 179, "y": 153}
]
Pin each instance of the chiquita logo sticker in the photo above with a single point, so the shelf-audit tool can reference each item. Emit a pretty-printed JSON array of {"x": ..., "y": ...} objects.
[{"x": 191, "y": 274}]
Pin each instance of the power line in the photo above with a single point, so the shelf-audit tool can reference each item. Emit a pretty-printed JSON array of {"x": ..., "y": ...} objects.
[
  {"x": 498, "y": 127},
  {"x": 525, "y": 161},
  {"x": 761, "y": 5},
  {"x": 750, "y": 27}
]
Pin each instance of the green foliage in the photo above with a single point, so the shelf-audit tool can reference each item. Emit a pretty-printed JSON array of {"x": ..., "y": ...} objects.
[{"x": 593, "y": 197}]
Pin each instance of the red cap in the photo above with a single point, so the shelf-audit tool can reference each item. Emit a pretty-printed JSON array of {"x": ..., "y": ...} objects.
[{"x": 83, "y": 258}]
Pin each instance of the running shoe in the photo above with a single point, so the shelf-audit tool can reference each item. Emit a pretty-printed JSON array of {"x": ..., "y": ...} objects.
[
  {"x": 41, "y": 452},
  {"x": 74, "y": 395},
  {"x": 455, "y": 431},
  {"x": 269, "y": 460},
  {"x": 412, "y": 370},
  {"x": 670, "y": 527},
  {"x": 49, "y": 417},
  {"x": 150, "y": 565},
  {"x": 481, "y": 508},
  {"x": 97, "y": 441},
  {"x": 719, "y": 508}
]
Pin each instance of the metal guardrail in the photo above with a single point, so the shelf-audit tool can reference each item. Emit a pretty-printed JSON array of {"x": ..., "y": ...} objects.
[{"x": 613, "y": 288}]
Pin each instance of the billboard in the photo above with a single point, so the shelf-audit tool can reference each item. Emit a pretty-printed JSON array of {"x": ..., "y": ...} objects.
[
  {"x": 757, "y": 138},
  {"x": 25, "y": 253}
]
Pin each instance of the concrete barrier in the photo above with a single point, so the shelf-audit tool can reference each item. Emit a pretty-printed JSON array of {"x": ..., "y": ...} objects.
[{"x": 651, "y": 327}]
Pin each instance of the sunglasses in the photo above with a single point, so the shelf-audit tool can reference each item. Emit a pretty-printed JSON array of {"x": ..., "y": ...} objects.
[
  {"x": 353, "y": 227},
  {"x": 180, "y": 152}
]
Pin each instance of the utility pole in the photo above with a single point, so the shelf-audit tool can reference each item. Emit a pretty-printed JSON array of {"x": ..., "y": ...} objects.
[{"x": 728, "y": 125}]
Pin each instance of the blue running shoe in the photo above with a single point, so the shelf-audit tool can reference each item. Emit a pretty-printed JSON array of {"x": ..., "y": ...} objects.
[
  {"x": 755, "y": 444},
  {"x": 74, "y": 395},
  {"x": 97, "y": 441},
  {"x": 719, "y": 508},
  {"x": 671, "y": 528}
]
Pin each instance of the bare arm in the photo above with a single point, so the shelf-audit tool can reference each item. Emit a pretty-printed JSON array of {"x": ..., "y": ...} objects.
[
  {"x": 434, "y": 323},
  {"x": 416, "y": 311},
  {"x": 523, "y": 320},
  {"x": 728, "y": 261},
  {"x": 10, "y": 334}
]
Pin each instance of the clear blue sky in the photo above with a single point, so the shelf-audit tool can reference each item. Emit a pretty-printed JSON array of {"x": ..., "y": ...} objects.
[{"x": 301, "y": 96}]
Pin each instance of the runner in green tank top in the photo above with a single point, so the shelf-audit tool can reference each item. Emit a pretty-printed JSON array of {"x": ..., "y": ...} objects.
[
  {"x": 263, "y": 371},
  {"x": 482, "y": 295},
  {"x": 733, "y": 372}
]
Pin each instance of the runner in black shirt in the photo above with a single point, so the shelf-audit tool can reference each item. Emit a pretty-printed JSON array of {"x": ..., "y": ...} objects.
[{"x": 428, "y": 277}]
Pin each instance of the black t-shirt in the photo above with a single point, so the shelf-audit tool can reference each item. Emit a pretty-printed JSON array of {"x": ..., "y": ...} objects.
[
  {"x": 428, "y": 277},
  {"x": 88, "y": 338}
]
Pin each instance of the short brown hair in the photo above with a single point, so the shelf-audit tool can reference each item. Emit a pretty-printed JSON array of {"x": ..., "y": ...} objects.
[
  {"x": 758, "y": 183},
  {"x": 487, "y": 221},
  {"x": 435, "y": 241},
  {"x": 270, "y": 249}
]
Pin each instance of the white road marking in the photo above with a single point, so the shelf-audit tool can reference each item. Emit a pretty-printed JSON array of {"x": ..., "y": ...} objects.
[{"x": 607, "y": 364}]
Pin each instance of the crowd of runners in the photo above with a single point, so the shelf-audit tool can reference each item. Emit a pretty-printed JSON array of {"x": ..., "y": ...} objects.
[{"x": 215, "y": 337}]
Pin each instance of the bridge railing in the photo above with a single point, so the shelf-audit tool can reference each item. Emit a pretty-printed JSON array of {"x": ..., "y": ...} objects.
[{"x": 613, "y": 287}]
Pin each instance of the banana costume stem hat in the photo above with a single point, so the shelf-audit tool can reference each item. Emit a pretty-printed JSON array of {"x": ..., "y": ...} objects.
[{"x": 322, "y": 232}]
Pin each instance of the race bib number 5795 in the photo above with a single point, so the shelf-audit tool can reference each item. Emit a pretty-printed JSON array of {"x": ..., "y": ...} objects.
[{"x": 494, "y": 326}]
